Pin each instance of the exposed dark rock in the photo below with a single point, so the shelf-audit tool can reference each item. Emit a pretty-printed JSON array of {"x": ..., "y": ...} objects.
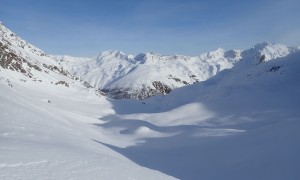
[
  {"x": 62, "y": 83},
  {"x": 274, "y": 68},
  {"x": 184, "y": 82},
  {"x": 105, "y": 91},
  {"x": 161, "y": 87},
  {"x": 176, "y": 79},
  {"x": 57, "y": 70},
  {"x": 120, "y": 93},
  {"x": 86, "y": 84},
  {"x": 9, "y": 60},
  {"x": 262, "y": 58},
  {"x": 99, "y": 93}
]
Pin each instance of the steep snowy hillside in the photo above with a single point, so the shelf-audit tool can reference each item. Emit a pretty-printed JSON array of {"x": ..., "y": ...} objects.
[
  {"x": 242, "y": 123},
  {"x": 18, "y": 55},
  {"x": 25, "y": 63},
  {"x": 143, "y": 75}
]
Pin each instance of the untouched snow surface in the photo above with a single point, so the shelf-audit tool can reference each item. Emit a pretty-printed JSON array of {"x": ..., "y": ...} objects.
[{"x": 48, "y": 133}]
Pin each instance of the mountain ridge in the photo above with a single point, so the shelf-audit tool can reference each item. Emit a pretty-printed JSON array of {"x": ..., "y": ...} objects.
[
  {"x": 142, "y": 75},
  {"x": 118, "y": 75},
  {"x": 25, "y": 63}
]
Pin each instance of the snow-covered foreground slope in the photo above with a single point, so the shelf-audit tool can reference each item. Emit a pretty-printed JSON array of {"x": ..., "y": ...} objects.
[
  {"x": 48, "y": 133},
  {"x": 241, "y": 124}
]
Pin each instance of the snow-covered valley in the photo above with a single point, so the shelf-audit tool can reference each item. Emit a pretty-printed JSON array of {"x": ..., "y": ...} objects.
[
  {"x": 239, "y": 123},
  {"x": 57, "y": 140}
]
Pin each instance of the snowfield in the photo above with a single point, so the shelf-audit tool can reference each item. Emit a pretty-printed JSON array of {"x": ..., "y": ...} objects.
[
  {"x": 241, "y": 123},
  {"x": 57, "y": 140}
]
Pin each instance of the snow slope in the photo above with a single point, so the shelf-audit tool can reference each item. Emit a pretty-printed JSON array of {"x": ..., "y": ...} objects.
[
  {"x": 48, "y": 133},
  {"x": 18, "y": 55}
]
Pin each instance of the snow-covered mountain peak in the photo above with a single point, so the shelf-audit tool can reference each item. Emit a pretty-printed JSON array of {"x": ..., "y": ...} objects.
[
  {"x": 23, "y": 63},
  {"x": 263, "y": 52},
  {"x": 13, "y": 40},
  {"x": 217, "y": 53},
  {"x": 151, "y": 56},
  {"x": 220, "y": 54},
  {"x": 233, "y": 54},
  {"x": 111, "y": 54},
  {"x": 141, "y": 57}
]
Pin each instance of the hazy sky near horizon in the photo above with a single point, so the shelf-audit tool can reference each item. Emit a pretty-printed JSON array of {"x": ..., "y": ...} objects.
[{"x": 189, "y": 27}]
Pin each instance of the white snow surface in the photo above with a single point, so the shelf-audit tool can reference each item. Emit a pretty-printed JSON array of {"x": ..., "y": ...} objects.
[
  {"x": 242, "y": 123},
  {"x": 57, "y": 140}
]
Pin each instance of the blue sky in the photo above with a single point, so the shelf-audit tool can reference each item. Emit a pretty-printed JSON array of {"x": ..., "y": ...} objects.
[{"x": 189, "y": 27}]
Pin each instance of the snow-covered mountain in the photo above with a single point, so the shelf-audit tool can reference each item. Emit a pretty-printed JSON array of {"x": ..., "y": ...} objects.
[
  {"x": 21, "y": 61},
  {"x": 18, "y": 55},
  {"x": 144, "y": 75},
  {"x": 238, "y": 123}
]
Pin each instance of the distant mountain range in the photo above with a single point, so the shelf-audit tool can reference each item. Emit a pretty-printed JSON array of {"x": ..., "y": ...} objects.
[
  {"x": 143, "y": 75},
  {"x": 118, "y": 75}
]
